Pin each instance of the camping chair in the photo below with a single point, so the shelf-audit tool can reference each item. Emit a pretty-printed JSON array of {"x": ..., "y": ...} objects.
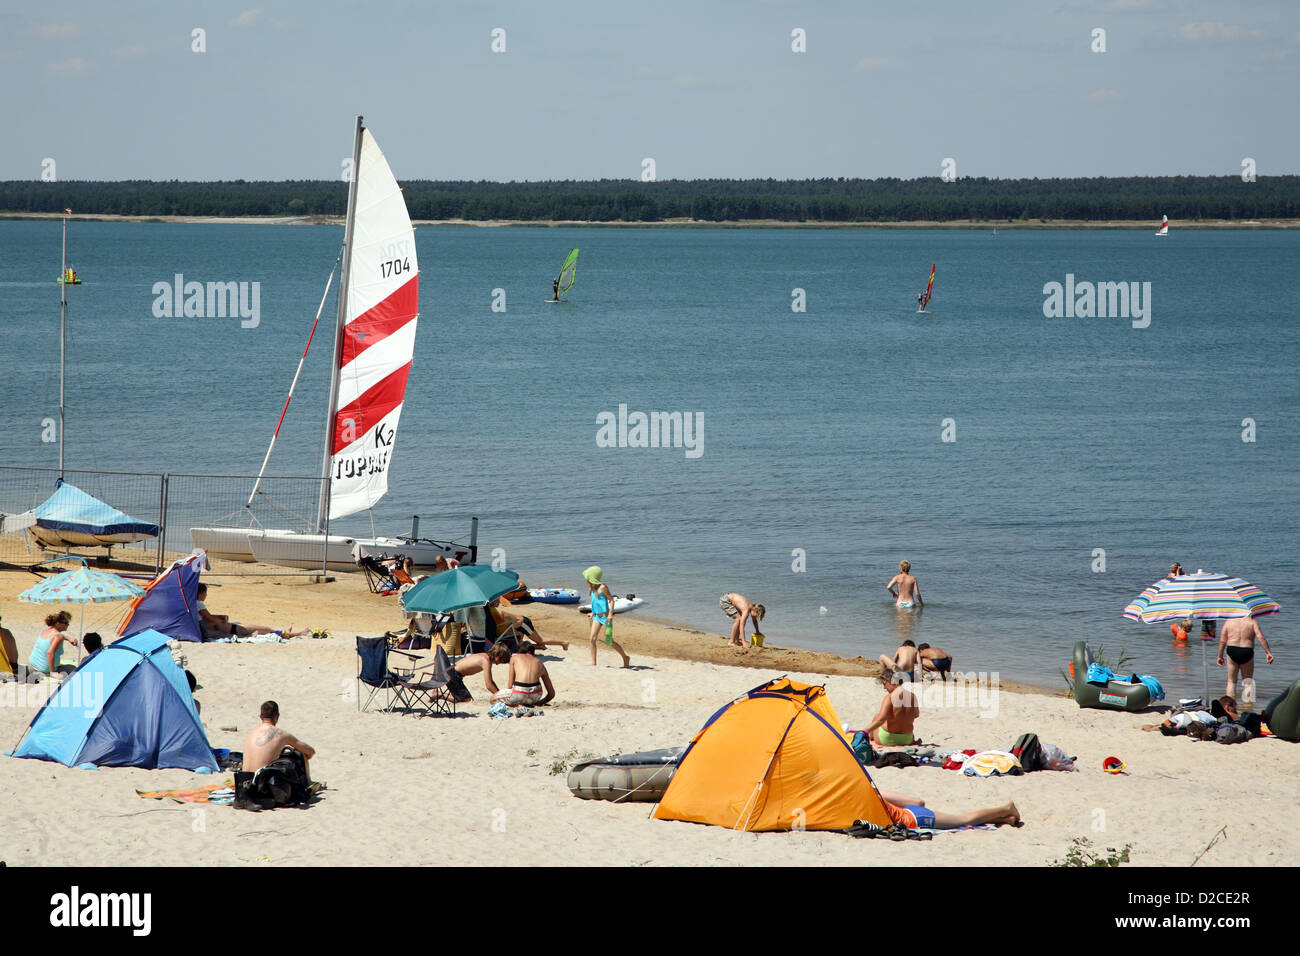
[
  {"x": 374, "y": 672},
  {"x": 419, "y": 639},
  {"x": 437, "y": 690},
  {"x": 379, "y": 577},
  {"x": 481, "y": 630}
]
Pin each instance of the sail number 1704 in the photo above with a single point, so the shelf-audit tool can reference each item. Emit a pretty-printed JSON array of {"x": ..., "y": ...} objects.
[{"x": 394, "y": 267}]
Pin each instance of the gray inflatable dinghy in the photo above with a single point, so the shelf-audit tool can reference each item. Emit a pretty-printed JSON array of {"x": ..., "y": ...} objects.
[{"x": 640, "y": 777}]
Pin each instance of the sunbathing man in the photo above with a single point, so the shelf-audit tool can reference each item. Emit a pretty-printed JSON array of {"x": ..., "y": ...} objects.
[
  {"x": 894, "y": 723},
  {"x": 220, "y": 625},
  {"x": 904, "y": 659},
  {"x": 266, "y": 740},
  {"x": 934, "y": 660},
  {"x": 1237, "y": 638},
  {"x": 528, "y": 684},
  {"x": 904, "y": 588},
  {"x": 912, "y": 813}
]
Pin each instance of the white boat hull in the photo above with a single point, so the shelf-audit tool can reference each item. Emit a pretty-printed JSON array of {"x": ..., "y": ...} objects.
[
  {"x": 226, "y": 544},
  {"x": 292, "y": 549}
]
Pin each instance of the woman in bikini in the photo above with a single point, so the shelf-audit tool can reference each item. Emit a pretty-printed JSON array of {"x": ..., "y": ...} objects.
[{"x": 527, "y": 683}]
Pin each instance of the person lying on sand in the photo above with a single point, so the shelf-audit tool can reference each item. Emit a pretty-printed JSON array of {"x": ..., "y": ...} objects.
[
  {"x": 265, "y": 741},
  {"x": 912, "y": 813},
  {"x": 524, "y": 626},
  {"x": 904, "y": 660},
  {"x": 220, "y": 625},
  {"x": 527, "y": 682},
  {"x": 893, "y": 726},
  {"x": 934, "y": 660}
]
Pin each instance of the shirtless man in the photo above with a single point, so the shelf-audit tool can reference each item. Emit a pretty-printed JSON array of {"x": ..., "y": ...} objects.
[
  {"x": 740, "y": 609},
  {"x": 222, "y": 625},
  {"x": 524, "y": 625},
  {"x": 912, "y": 813},
  {"x": 904, "y": 660},
  {"x": 1237, "y": 637},
  {"x": 527, "y": 683},
  {"x": 896, "y": 718},
  {"x": 472, "y": 664},
  {"x": 266, "y": 740},
  {"x": 903, "y": 587},
  {"x": 934, "y": 660}
]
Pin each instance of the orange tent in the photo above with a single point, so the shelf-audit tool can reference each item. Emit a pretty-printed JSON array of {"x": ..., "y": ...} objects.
[{"x": 774, "y": 759}]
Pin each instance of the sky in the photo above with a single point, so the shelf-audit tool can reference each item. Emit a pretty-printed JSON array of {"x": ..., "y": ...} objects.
[{"x": 589, "y": 89}]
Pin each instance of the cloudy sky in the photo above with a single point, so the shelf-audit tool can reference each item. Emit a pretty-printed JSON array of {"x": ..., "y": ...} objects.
[{"x": 590, "y": 88}]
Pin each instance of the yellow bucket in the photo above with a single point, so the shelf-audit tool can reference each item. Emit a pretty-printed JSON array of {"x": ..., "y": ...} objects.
[{"x": 756, "y": 640}]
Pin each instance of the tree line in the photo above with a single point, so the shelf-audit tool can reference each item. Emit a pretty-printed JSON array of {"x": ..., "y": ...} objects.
[{"x": 712, "y": 200}]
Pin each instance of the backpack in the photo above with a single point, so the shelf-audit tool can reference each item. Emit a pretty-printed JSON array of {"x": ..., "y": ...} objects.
[
  {"x": 861, "y": 746},
  {"x": 1028, "y": 751},
  {"x": 281, "y": 783}
]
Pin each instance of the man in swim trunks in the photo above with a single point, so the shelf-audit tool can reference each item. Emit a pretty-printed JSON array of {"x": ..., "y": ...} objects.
[
  {"x": 555, "y": 289},
  {"x": 740, "y": 609},
  {"x": 903, "y": 587},
  {"x": 266, "y": 740},
  {"x": 1237, "y": 638},
  {"x": 903, "y": 661},
  {"x": 912, "y": 813},
  {"x": 935, "y": 660},
  {"x": 894, "y": 723}
]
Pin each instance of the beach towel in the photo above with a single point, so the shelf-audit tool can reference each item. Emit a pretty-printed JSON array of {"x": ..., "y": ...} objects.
[
  {"x": 1153, "y": 685},
  {"x": 214, "y": 793},
  {"x": 991, "y": 763}
]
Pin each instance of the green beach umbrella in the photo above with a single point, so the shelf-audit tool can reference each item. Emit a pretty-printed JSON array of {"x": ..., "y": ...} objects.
[
  {"x": 83, "y": 585},
  {"x": 459, "y": 588}
]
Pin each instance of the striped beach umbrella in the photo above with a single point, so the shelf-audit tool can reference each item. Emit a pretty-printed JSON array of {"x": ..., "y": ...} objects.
[
  {"x": 1201, "y": 596},
  {"x": 83, "y": 585}
]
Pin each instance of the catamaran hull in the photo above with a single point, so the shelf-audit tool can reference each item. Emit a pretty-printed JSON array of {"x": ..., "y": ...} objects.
[
  {"x": 291, "y": 549},
  {"x": 225, "y": 544},
  {"x": 49, "y": 538}
]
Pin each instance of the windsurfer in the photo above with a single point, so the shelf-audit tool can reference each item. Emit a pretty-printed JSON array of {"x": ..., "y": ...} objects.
[
  {"x": 920, "y": 301},
  {"x": 555, "y": 289}
]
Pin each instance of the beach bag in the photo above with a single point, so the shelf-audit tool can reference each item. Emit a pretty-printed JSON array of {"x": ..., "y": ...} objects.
[
  {"x": 861, "y": 745},
  {"x": 1028, "y": 751},
  {"x": 1231, "y": 734},
  {"x": 1054, "y": 758},
  {"x": 281, "y": 783}
]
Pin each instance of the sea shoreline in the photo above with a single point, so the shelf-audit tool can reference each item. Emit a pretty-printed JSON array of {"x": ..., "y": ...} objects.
[{"x": 956, "y": 224}]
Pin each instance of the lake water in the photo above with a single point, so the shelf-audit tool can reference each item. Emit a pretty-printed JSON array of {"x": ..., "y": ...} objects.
[{"x": 823, "y": 430}]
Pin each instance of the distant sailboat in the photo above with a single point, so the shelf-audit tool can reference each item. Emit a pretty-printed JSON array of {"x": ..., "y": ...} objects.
[
  {"x": 1164, "y": 226},
  {"x": 374, "y": 340},
  {"x": 568, "y": 273}
]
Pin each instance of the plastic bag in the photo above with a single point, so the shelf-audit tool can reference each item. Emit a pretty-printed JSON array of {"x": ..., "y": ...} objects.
[{"x": 1054, "y": 758}]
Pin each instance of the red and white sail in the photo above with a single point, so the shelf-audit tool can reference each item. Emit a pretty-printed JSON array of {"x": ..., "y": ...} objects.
[
  {"x": 1164, "y": 226},
  {"x": 378, "y": 337}
]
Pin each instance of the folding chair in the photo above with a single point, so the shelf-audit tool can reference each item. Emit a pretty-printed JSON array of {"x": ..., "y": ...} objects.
[
  {"x": 481, "y": 630},
  {"x": 379, "y": 578},
  {"x": 373, "y": 671},
  {"x": 438, "y": 691}
]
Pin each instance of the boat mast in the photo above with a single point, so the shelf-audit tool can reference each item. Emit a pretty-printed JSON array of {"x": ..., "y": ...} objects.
[
  {"x": 322, "y": 515},
  {"x": 63, "y": 326}
]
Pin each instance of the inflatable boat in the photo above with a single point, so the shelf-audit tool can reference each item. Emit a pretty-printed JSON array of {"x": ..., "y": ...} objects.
[
  {"x": 639, "y": 778},
  {"x": 1116, "y": 695}
]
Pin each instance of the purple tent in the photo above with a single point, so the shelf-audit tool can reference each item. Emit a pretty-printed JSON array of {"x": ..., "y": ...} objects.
[{"x": 170, "y": 603}]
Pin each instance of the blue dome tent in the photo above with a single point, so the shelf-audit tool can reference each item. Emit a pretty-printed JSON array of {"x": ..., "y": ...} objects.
[{"x": 128, "y": 705}]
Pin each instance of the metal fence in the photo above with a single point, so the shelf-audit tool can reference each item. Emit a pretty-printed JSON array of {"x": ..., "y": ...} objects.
[{"x": 273, "y": 537}]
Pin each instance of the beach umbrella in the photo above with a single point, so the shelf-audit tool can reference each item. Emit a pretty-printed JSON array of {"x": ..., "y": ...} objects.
[
  {"x": 471, "y": 586},
  {"x": 1200, "y": 596},
  {"x": 83, "y": 585}
]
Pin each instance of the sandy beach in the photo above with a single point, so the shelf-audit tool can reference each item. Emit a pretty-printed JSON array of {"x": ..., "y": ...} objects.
[{"x": 473, "y": 790}]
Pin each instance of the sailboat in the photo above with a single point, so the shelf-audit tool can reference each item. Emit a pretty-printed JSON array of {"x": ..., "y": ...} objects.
[
  {"x": 1164, "y": 226},
  {"x": 568, "y": 273},
  {"x": 374, "y": 341},
  {"x": 929, "y": 290}
]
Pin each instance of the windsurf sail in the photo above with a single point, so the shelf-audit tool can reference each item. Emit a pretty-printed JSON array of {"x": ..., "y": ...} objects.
[
  {"x": 377, "y": 320},
  {"x": 569, "y": 272},
  {"x": 929, "y": 289},
  {"x": 1164, "y": 226}
]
